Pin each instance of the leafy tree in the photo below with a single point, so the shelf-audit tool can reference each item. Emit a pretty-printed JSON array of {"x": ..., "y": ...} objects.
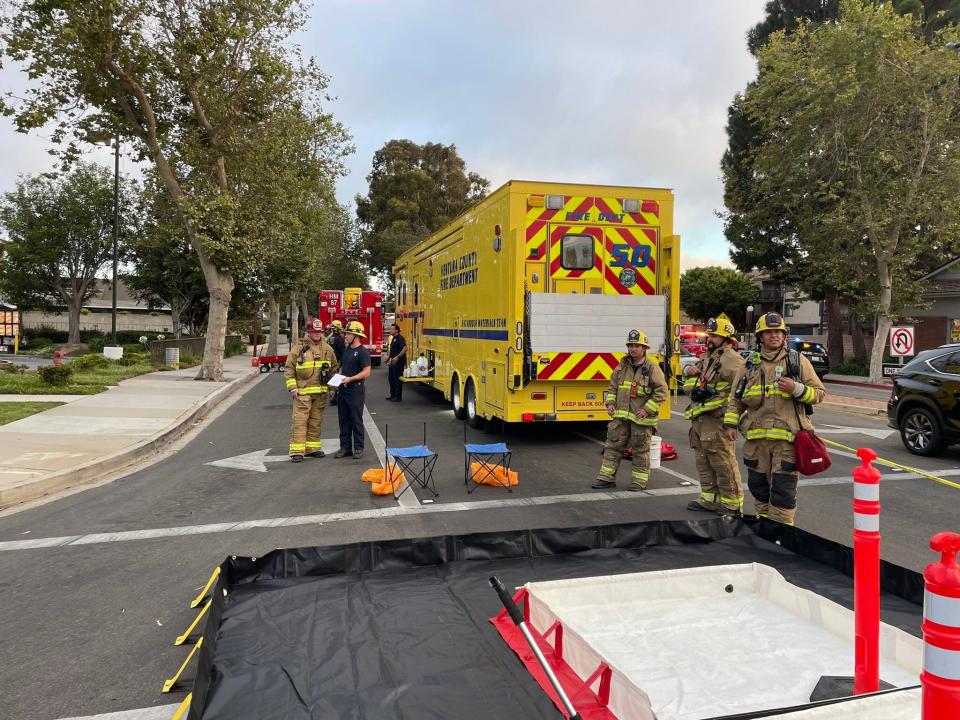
[
  {"x": 706, "y": 292},
  {"x": 414, "y": 190},
  {"x": 190, "y": 84},
  {"x": 860, "y": 123},
  {"x": 59, "y": 235},
  {"x": 166, "y": 267}
]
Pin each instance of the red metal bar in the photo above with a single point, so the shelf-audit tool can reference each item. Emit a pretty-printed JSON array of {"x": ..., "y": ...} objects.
[
  {"x": 940, "y": 678},
  {"x": 866, "y": 574}
]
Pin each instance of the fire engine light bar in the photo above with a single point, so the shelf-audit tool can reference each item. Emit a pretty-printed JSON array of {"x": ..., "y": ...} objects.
[
  {"x": 554, "y": 202},
  {"x": 631, "y": 205}
]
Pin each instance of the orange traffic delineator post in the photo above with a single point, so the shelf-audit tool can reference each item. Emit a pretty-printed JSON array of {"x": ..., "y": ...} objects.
[
  {"x": 866, "y": 589},
  {"x": 940, "y": 679},
  {"x": 866, "y": 574}
]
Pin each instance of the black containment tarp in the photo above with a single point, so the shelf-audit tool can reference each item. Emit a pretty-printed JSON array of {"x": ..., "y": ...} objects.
[{"x": 399, "y": 629}]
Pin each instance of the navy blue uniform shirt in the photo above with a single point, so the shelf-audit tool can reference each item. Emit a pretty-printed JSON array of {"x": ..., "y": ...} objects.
[{"x": 354, "y": 360}]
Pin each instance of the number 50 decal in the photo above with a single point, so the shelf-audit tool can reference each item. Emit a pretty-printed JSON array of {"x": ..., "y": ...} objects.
[{"x": 639, "y": 257}]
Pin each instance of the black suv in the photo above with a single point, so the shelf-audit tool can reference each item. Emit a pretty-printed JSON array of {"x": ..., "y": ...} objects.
[
  {"x": 815, "y": 352},
  {"x": 925, "y": 402}
]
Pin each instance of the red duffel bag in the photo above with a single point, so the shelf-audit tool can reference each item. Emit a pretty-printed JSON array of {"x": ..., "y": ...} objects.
[{"x": 810, "y": 453}]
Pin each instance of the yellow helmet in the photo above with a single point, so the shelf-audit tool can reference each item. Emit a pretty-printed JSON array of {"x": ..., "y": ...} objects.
[
  {"x": 638, "y": 337},
  {"x": 355, "y": 328},
  {"x": 771, "y": 321},
  {"x": 337, "y": 324},
  {"x": 722, "y": 326}
]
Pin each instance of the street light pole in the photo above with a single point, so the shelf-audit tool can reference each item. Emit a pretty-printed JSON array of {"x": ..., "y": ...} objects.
[{"x": 116, "y": 233}]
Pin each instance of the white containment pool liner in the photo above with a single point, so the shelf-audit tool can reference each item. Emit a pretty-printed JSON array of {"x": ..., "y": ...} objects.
[{"x": 706, "y": 642}]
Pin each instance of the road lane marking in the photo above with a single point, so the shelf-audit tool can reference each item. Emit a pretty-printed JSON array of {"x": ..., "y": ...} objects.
[
  {"x": 408, "y": 500},
  {"x": 386, "y": 513},
  {"x": 158, "y": 712}
]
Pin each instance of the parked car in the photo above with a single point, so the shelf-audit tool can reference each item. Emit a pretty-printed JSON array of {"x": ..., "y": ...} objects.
[
  {"x": 815, "y": 352},
  {"x": 924, "y": 404}
]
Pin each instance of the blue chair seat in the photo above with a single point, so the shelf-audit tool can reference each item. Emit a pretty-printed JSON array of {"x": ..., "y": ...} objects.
[
  {"x": 491, "y": 449},
  {"x": 413, "y": 452}
]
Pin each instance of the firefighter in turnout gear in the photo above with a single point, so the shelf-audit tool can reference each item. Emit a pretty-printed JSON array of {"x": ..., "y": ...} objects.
[
  {"x": 637, "y": 387},
  {"x": 707, "y": 383},
  {"x": 310, "y": 364},
  {"x": 775, "y": 390}
]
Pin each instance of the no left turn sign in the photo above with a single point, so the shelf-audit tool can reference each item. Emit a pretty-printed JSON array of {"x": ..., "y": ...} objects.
[{"x": 901, "y": 341}]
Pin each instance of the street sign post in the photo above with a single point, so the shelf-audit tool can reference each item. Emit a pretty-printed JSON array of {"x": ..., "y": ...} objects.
[{"x": 902, "y": 341}]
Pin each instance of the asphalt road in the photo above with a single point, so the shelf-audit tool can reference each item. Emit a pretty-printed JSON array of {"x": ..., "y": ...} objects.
[
  {"x": 31, "y": 361},
  {"x": 98, "y": 584},
  {"x": 854, "y": 391}
]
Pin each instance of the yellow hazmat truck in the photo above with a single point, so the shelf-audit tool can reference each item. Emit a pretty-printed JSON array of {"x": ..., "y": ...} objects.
[{"x": 521, "y": 306}]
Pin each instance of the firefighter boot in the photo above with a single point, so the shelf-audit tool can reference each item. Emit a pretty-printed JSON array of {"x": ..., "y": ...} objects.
[
  {"x": 618, "y": 436},
  {"x": 298, "y": 430},
  {"x": 640, "y": 472},
  {"x": 783, "y": 497},
  {"x": 314, "y": 423}
]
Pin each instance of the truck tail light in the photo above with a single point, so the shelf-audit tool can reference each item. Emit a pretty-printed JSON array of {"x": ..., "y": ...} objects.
[
  {"x": 631, "y": 205},
  {"x": 538, "y": 396},
  {"x": 527, "y": 417},
  {"x": 554, "y": 202}
]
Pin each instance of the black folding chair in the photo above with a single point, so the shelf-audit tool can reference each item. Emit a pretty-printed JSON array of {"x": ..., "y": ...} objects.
[
  {"x": 405, "y": 459},
  {"x": 490, "y": 457}
]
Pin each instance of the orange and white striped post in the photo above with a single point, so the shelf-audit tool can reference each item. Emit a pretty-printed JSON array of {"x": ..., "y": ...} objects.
[
  {"x": 866, "y": 574},
  {"x": 940, "y": 679}
]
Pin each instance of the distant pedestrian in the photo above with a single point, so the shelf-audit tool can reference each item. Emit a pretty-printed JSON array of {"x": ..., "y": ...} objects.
[
  {"x": 310, "y": 364},
  {"x": 637, "y": 387},
  {"x": 351, "y": 396},
  {"x": 395, "y": 361}
]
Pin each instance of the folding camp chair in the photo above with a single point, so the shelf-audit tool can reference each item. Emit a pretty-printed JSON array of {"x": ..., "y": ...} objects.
[
  {"x": 405, "y": 459},
  {"x": 490, "y": 457}
]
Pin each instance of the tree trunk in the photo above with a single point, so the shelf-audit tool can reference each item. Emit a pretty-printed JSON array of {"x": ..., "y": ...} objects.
[
  {"x": 274, "y": 308},
  {"x": 834, "y": 328},
  {"x": 304, "y": 305},
  {"x": 856, "y": 331},
  {"x": 256, "y": 326},
  {"x": 73, "y": 314},
  {"x": 219, "y": 287},
  {"x": 294, "y": 320},
  {"x": 883, "y": 319},
  {"x": 175, "y": 318}
]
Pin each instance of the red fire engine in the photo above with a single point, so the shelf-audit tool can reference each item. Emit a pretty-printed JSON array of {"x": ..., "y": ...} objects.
[{"x": 365, "y": 306}]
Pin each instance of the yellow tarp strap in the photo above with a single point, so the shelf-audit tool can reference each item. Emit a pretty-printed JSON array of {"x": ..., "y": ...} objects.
[
  {"x": 898, "y": 466},
  {"x": 168, "y": 684},
  {"x": 183, "y": 638},
  {"x": 184, "y": 707},
  {"x": 206, "y": 588}
]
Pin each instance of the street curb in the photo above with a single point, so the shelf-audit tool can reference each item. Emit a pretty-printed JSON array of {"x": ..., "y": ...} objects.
[
  {"x": 84, "y": 473},
  {"x": 854, "y": 383}
]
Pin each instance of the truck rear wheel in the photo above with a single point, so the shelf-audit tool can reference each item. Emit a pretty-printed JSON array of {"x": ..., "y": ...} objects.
[
  {"x": 470, "y": 405},
  {"x": 458, "y": 411}
]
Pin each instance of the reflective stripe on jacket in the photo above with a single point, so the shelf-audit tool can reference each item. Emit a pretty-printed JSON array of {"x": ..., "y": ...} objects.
[
  {"x": 651, "y": 391},
  {"x": 717, "y": 371},
  {"x": 770, "y": 412},
  {"x": 305, "y": 364}
]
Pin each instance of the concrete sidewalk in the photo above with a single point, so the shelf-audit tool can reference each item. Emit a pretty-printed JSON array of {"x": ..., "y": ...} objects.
[
  {"x": 857, "y": 381},
  {"x": 94, "y": 435}
]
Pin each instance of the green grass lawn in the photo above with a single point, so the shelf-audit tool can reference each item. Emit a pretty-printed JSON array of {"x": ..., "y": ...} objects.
[
  {"x": 87, "y": 382},
  {"x": 10, "y": 411}
]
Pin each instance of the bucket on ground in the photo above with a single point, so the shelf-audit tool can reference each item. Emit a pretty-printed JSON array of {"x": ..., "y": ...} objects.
[
  {"x": 655, "y": 441},
  {"x": 171, "y": 357},
  {"x": 114, "y": 353}
]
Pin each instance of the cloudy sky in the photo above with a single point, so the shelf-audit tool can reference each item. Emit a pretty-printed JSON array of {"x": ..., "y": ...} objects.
[{"x": 631, "y": 92}]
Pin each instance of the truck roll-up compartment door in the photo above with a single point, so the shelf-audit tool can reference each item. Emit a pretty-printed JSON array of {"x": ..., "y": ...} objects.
[{"x": 594, "y": 323}]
